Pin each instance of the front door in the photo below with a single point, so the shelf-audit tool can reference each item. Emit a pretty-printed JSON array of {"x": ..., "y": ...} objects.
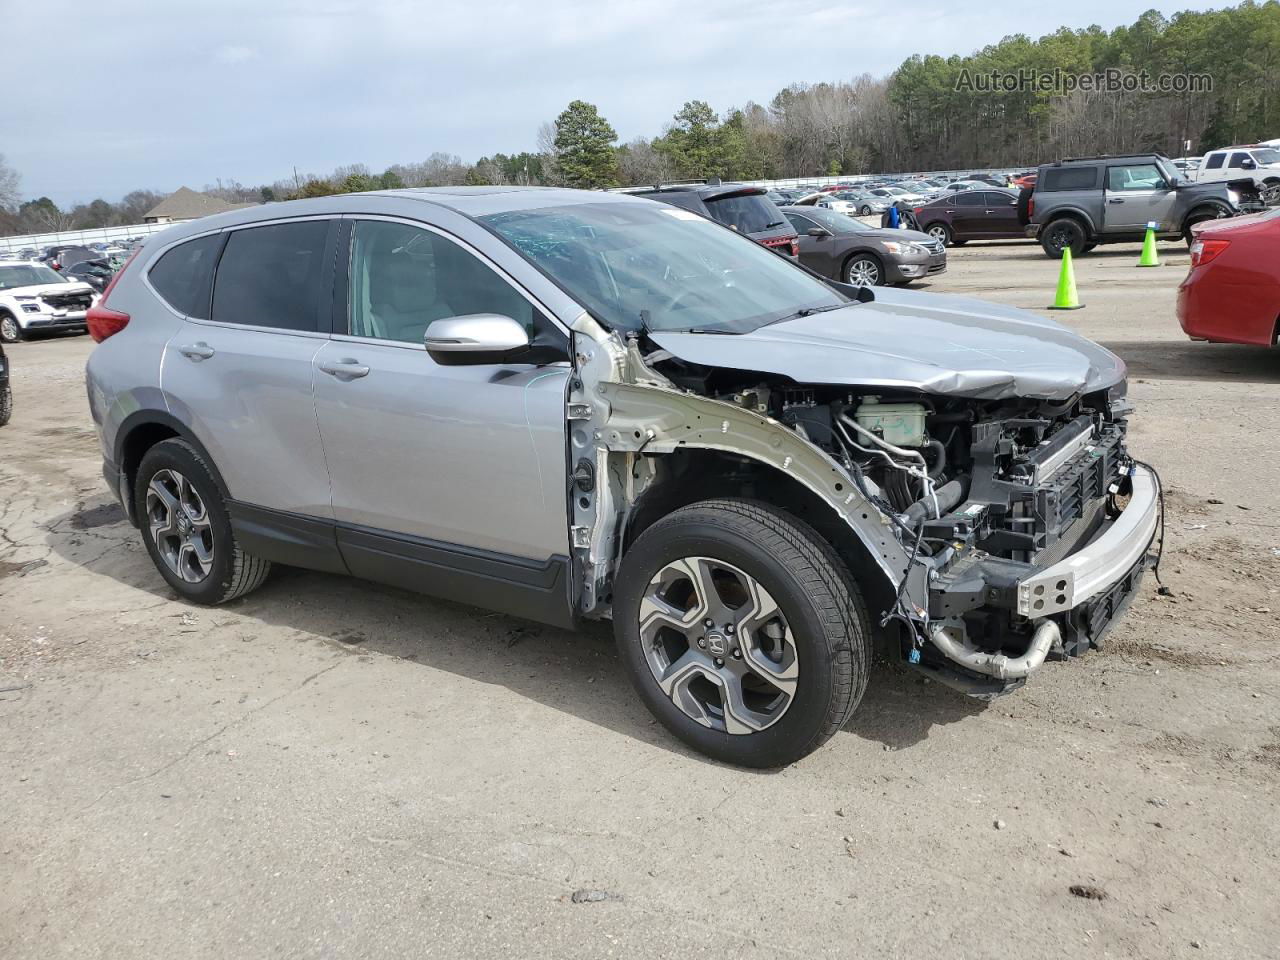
[
  {"x": 448, "y": 479},
  {"x": 1136, "y": 195}
]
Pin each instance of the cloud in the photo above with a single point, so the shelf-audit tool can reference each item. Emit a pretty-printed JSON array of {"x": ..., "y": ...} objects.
[
  {"x": 318, "y": 83},
  {"x": 234, "y": 54}
]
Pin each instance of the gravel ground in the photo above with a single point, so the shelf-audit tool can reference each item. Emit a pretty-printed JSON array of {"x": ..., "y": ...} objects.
[{"x": 333, "y": 769}]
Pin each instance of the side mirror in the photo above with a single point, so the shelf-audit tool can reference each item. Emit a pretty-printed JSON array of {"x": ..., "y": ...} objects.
[
  {"x": 1248, "y": 164},
  {"x": 818, "y": 232},
  {"x": 474, "y": 338}
]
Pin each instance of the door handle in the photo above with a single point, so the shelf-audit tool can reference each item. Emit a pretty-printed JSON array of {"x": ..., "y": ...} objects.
[
  {"x": 196, "y": 351},
  {"x": 345, "y": 369},
  {"x": 1116, "y": 200}
]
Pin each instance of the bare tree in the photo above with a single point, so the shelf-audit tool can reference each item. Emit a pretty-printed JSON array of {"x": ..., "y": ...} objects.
[{"x": 9, "y": 181}]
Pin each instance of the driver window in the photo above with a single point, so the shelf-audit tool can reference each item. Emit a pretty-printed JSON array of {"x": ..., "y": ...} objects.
[
  {"x": 404, "y": 277},
  {"x": 1145, "y": 176}
]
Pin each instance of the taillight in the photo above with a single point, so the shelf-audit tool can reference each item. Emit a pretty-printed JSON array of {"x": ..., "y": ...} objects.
[
  {"x": 794, "y": 245},
  {"x": 103, "y": 322},
  {"x": 1204, "y": 250},
  {"x": 919, "y": 210},
  {"x": 1031, "y": 207}
]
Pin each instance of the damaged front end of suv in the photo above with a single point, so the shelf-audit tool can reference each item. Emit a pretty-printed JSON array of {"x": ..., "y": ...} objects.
[{"x": 966, "y": 461}]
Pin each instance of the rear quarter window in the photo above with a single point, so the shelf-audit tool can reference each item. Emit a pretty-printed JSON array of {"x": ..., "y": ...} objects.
[
  {"x": 183, "y": 276},
  {"x": 1068, "y": 178}
]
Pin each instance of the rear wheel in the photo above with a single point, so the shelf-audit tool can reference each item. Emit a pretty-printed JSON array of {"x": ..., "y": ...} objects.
[
  {"x": 741, "y": 631},
  {"x": 10, "y": 332},
  {"x": 1061, "y": 235},
  {"x": 187, "y": 529},
  {"x": 864, "y": 211},
  {"x": 863, "y": 270},
  {"x": 940, "y": 232}
]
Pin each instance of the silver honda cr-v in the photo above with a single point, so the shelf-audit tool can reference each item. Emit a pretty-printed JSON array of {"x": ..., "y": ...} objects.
[{"x": 569, "y": 405}]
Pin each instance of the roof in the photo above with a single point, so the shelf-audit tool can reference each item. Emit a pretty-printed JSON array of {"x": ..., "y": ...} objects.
[{"x": 185, "y": 204}]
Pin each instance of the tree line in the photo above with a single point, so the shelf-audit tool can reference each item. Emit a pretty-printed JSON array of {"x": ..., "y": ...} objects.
[{"x": 920, "y": 117}]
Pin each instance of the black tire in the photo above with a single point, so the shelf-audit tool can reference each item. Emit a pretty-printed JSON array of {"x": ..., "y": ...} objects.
[
  {"x": 6, "y": 405},
  {"x": 865, "y": 211},
  {"x": 233, "y": 572},
  {"x": 941, "y": 232},
  {"x": 821, "y": 604},
  {"x": 1187, "y": 234},
  {"x": 1060, "y": 234},
  {"x": 865, "y": 261},
  {"x": 1024, "y": 205},
  {"x": 958, "y": 243},
  {"x": 10, "y": 330}
]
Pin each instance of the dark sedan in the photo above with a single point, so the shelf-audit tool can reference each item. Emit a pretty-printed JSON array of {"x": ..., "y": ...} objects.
[
  {"x": 96, "y": 273},
  {"x": 972, "y": 215},
  {"x": 848, "y": 250}
]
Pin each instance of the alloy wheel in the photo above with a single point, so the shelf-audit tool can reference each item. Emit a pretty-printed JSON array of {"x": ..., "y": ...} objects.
[
  {"x": 939, "y": 233},
  {"x": 180, "y": 526},
  {"x": 8, "y": 330},
  {"x": 718, "y": 645},
  {"x": 864, "y": 273}
]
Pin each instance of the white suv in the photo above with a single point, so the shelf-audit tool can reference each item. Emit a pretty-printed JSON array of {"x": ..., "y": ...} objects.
[{"x": 35, "y": 298}]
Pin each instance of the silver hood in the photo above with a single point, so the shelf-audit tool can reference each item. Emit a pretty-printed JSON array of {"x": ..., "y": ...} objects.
[{"x": 904, "y": 339}]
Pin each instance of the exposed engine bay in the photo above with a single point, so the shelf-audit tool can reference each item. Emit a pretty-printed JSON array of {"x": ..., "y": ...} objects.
[{"x": 977, "y": 495}]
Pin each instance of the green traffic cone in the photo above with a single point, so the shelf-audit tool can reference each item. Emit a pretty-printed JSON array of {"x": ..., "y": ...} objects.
[
  {"x": 1067, "y": 298},
  {"x": 1149, "y": 258}
]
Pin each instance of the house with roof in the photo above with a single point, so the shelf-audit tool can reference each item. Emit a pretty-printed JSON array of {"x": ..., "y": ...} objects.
[{"x": 185, "y": 204}]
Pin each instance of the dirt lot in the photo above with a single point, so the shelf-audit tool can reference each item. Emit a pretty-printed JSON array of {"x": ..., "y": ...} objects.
[{"x": 334, "y": 769}]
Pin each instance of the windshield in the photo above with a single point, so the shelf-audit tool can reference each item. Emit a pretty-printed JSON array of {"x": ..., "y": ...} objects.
[
  {"x": 1266, "y": 156},
  {"x": 28, "y": 275},
  {"x": 651, "y": 266}
]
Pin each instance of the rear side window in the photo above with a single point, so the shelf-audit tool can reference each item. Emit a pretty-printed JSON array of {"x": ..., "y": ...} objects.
[
  {"x": 749, "y": 213},
  {"x": 270, "y": 276},
  {"x": 972, "y": 198},
  {"x": 184, "y": 275},
  {"x": 1215, "y": 161},
  {"x": 1068, "y": 178}
]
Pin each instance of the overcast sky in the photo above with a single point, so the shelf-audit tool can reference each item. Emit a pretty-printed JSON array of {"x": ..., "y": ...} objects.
[{"x": 104, "y": 98}]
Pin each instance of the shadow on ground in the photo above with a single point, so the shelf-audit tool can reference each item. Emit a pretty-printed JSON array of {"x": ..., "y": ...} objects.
[
  {"x": 1188, "y": 360},
  {"x": 574, "y": 672}
]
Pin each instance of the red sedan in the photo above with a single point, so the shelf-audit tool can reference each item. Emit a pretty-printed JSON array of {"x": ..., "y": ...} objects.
[{"x": 1232, "y": 293}]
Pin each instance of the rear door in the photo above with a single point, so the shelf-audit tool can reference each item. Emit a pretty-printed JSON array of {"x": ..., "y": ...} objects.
[
  {"x": 239, "y": 370},
  {"x": 1000, "y": 215},
  {"x": 1136, "y": 195}
]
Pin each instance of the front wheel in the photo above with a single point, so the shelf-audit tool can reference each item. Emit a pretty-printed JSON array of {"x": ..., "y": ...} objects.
[
  {"x": 865, "y": 211},
  {"x": 187, "y": 529},
  {"x": 742, "y": 632},
  {"x": 941, "y": 232},
  {"x": 863, "y": 270},
  {"x": 10, "y": 332}
]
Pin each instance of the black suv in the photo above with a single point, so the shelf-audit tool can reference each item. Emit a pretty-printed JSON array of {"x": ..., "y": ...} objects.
[
  {"x": 1083, "y": 202},
  {"x": 6, "y": 393},
  {"x": 738, "y": 206}
]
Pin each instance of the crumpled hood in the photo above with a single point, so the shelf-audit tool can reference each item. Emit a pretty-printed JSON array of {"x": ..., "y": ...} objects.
[
  {"x": 39, "y": 289},
  {"x": 935, "y": 343}
]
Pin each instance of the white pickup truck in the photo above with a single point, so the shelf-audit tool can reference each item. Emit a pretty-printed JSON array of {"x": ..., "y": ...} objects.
[{"x": 1255, "y": 162}]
